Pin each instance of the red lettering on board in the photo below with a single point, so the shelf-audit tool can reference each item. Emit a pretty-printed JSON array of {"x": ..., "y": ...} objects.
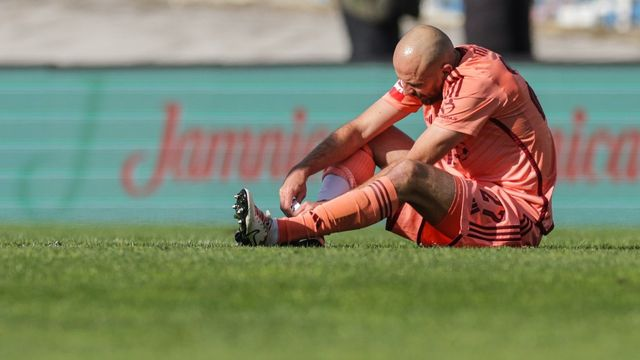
[
  {"x": 197, "y": 155},
  {"x": 580, "y": 161}
]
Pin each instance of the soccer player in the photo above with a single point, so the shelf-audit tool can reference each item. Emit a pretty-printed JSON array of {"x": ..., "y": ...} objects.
[{"x": 481, "y": 174}]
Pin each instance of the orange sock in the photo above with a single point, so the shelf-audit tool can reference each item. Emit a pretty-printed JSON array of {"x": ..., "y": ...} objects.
[
  {"x": 355, "y": 209},
  {"x": 356, "y": 169}
]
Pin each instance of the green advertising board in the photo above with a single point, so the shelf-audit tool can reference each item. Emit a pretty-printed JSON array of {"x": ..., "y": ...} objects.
[{"x": 174, "y": 144}]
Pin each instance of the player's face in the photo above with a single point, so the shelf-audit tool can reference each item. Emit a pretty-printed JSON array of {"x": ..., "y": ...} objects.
[{"x": 427, "y": 87}]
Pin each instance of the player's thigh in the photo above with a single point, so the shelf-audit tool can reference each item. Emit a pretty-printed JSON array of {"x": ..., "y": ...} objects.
[
  {"x": 478, "y": 215},
  {"x": 390, "y": 146}
]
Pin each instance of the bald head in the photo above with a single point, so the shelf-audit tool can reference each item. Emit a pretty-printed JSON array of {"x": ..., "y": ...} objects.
[
  {"x": 422, "y": 60},
  {"x": 424, "y": 46}
]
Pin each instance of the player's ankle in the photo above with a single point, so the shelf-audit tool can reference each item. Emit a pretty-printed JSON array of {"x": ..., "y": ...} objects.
[{"x": 273, "y": 236}]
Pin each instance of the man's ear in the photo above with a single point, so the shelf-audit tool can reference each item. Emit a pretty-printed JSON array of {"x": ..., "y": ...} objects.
[{"x": 447, "y": 69}]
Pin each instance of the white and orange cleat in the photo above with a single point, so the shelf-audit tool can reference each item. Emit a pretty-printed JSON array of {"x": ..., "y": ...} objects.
[{"x": 256, "y": 227}]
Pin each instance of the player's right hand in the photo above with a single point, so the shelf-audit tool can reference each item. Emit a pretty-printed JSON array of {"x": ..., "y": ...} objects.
[{"x": 293, "y": 188}]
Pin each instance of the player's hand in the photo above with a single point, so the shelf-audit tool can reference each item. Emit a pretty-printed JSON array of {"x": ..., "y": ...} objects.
[{"x": 293, "y": 188}]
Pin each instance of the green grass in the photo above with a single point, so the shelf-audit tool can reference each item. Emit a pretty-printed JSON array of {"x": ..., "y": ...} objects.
[{"x": 190, "y": 293}]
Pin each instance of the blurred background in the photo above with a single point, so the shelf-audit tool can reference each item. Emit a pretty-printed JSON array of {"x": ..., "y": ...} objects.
[
  {"x": 160, "y": 110},
  {"x": 124, "y": 32}
]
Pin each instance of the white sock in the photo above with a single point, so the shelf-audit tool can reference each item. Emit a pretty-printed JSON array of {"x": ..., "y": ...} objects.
[
  {"x": 332, "y": 187},
  {"x": 273, "y": 232}
]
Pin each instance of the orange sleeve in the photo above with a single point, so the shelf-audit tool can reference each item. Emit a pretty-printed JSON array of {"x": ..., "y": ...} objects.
[
  {"x": 396, "y": 97},
  {"x": 469, "y": 111}
]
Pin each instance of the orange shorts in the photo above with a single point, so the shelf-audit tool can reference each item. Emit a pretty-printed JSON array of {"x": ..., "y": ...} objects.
[{"x": 481, "y": 215}]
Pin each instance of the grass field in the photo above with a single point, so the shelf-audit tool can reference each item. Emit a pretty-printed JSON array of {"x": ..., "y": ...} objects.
[{"x": 190, "y": 293}]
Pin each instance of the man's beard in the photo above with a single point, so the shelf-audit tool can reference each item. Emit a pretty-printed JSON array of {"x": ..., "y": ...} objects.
[{"x": 431, "y": 99}]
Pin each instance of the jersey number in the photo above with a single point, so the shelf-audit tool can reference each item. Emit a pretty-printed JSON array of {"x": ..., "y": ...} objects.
[{"x": 497, "y": 214}]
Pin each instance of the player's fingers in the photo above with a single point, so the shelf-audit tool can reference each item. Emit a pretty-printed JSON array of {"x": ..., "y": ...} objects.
[
  {"x": 287, "y": 199},
  {"x": 285, "y": 203},
  {"x": 300, "y": 195},
  {"x": 290, "y": 194},
  {"x": 294, "y": 208}
]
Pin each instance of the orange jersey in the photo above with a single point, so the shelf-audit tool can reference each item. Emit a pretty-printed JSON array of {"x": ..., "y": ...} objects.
[{"x": 508, "y": 141}]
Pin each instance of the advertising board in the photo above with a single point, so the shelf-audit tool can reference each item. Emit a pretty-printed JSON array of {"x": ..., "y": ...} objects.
[{"x": 173, "y": 145}]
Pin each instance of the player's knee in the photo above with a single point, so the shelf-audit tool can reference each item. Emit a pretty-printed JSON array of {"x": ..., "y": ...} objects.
[{"x": 405, "y": 173}]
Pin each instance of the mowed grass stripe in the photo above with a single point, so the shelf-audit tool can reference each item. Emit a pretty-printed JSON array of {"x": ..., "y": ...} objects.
[{"x": 188, "y": 292}]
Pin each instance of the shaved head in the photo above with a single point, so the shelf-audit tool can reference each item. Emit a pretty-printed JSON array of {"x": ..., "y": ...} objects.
[
  {"x": 423, "y": 46},
  {"x": 424, "y": 53}
]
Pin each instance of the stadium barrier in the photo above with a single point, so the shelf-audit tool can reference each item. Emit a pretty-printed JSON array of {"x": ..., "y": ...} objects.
[{"x": 173, "y": 145}]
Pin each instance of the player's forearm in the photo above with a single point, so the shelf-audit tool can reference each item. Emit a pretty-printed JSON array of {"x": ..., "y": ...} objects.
[
  {"x": 350, "y": 137},
  {"x": 333, "y": 149},
  {"x": 433, "y": 144}
]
